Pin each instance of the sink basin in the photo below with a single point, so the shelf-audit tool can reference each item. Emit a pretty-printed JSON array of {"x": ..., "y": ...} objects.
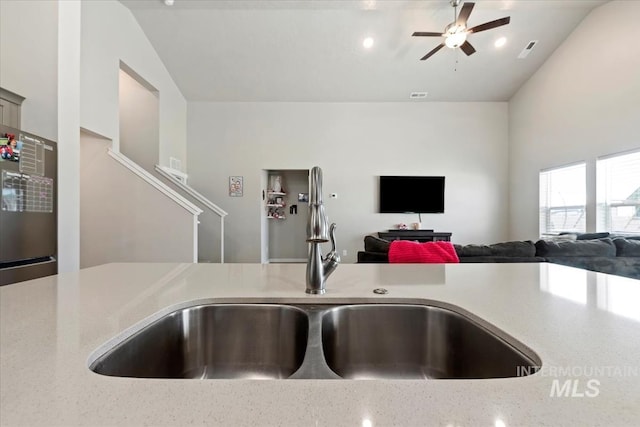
[
  {"x": 415, "y": 342},
  {"x": 355, "y": 341},
  {"x": 213, "y": 341}
]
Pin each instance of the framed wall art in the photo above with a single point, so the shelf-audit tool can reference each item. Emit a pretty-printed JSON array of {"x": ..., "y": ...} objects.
[{"x": 235, "y": 186}]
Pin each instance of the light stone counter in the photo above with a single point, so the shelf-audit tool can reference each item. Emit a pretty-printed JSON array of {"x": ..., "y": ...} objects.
[{"x": 584, "y": 322}]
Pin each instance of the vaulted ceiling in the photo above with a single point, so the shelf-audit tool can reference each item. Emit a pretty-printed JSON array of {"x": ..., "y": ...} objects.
[{"x": 312, "y": 50}]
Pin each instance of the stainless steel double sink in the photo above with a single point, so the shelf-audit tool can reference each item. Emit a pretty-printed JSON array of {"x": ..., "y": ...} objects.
[{"x": 351, "y": 341}]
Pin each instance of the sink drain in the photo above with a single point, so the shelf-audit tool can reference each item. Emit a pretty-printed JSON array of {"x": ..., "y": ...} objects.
[{"x": 380, "y": 291}]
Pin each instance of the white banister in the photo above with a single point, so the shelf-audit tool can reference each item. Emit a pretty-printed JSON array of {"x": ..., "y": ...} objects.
[{"x": 170, "y": 175}]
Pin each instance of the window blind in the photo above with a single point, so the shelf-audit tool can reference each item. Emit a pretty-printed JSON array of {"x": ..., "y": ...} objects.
[
  {"x": 618, "y": 193},
  {"x": 563, "y": 200}
]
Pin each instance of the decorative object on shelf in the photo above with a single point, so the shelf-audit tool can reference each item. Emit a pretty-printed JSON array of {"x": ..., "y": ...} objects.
[
  {"x": 402, "y": 226},
  {"x": 235, "y": 186},
  {"x": 416, "y": 225},
  {"x": 276, "y": 183},
  {"x": 275, "y": 213},
  {"x": 275, "y": 204}
]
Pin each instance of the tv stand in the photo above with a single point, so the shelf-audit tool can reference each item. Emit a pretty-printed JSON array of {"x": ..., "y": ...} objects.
[{"x": 417, "y": 235}]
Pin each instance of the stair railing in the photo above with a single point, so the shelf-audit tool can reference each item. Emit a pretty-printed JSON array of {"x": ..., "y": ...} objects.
[{"x": 167, "y": 173}]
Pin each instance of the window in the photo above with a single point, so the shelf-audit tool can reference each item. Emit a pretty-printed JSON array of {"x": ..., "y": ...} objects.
[
  {"x": 563, "y": 196},
  {"x": 618, "y": 193}
]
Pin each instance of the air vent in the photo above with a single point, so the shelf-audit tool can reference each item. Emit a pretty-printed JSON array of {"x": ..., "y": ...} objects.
[
  {"x": 418, "y": 95},
  {"x": 528, "y": 48}
]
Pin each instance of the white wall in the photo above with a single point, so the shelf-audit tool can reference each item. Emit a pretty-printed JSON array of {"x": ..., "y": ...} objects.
[
  {"x": 584, "y": 102},
  {"x": 69, "y": 21},
  {"x": 29, "y": 61},
  {"x": 139, "y": 122},
  {"x": 354, "y": 144},
  {"x": 111, "y": 34},
  {"x": 124, "y": 219}
]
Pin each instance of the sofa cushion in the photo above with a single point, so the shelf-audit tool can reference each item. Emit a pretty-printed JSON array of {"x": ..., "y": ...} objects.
[
  {"x": 579, "y": 248},
  {"x": 506, "y": 249},
  {"x": 472, "y": 250},
  {"x": 627, "y": 247},
  {"x": 374, "y": 244}
]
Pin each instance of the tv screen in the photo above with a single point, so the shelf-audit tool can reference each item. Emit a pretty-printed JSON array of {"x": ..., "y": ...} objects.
[{"x": 417, "y": 194}]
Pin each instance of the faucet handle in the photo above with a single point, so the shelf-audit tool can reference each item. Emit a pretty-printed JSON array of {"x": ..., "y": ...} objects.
[
  {"x": 331, "y": 261},
  {"x": 332, "y": 235}
]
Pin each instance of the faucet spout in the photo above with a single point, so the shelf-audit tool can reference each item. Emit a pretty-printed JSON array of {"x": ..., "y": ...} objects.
[
  {"x": 319, "y": 268},
  {"x": 317, "y": 222}
]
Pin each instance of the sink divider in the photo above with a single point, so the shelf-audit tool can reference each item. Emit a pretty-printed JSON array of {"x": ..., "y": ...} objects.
[{"x": 314, "y": 365}]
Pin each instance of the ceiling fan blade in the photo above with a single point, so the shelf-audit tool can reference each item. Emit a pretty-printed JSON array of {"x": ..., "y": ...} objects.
[
  {"x": 489, "y": 25},
  {"x": 428, "y": 55},
  {"x": 426, "y": 34},
  {"x": 467, "y": 48},
  {"x": 464, "y": 13}
]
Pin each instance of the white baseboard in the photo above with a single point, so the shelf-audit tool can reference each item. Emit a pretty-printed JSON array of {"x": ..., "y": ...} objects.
[{"x": 287, "y": 260}]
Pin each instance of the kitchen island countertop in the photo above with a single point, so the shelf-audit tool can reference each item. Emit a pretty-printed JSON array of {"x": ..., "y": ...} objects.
[{"x": 584, "y": 326}]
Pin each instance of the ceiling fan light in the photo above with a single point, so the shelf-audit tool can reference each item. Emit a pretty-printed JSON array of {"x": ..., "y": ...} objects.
[{"x": 455, "y": 40}]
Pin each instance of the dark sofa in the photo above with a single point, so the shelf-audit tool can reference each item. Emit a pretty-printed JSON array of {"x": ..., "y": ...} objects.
[{"x": 591, "y": 251}]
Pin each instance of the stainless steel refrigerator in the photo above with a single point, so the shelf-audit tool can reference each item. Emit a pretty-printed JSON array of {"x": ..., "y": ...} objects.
[{"x": 28, "y": 206}]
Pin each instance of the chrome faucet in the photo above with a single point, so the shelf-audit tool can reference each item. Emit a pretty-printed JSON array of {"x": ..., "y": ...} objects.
[{"x": 318, "y": 268}]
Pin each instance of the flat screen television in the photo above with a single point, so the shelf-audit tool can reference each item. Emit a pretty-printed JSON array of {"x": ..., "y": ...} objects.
[{"x": 416, "y": 194}]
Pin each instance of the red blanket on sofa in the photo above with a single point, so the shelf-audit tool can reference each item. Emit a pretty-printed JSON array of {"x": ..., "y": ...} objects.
[{"x": 405, "y": 251}]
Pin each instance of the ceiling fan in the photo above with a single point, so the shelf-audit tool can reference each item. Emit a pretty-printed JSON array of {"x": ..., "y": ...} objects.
[{"x": 455, "y": 34}]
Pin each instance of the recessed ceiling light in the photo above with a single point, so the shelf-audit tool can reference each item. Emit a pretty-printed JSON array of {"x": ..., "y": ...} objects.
[
  {"x": 168, "y": 2},
  {"x": 367, "y": 43},
  {"x": 369, "y": 4},
  {"x": 500, "y": 42}
]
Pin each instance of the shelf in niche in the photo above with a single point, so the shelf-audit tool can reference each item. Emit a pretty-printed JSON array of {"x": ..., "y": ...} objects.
[{"x": 276, "y": 217}]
